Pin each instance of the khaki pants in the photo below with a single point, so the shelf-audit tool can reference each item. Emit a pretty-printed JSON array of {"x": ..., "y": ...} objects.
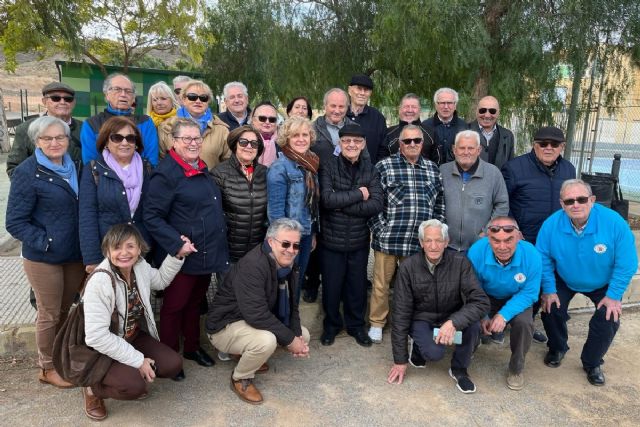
[
  {"x": 255, "y": 345},
  {"x": 384, "y": 266}
]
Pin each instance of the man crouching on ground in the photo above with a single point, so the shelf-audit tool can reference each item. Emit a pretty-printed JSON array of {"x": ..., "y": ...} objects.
[{"x": 254, "y": 309}]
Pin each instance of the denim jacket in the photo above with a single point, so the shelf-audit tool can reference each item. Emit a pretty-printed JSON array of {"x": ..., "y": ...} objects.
[{"x": 287, "y": 191}]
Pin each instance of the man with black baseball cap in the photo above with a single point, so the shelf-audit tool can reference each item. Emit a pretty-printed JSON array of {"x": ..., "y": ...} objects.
[
  {"x": 58, "y": 99},
  {"x": 371, "y": 120}
]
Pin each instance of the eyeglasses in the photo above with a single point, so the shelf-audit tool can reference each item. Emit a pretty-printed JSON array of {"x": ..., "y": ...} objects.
[
  {"x": 581, "y": 200},
  {"x": 177, "y": 90},
  {"x": 49, "y": 139},
  {"x": 355, "y": 141},
  {"x": 270, "y": 119},
  {"x": 125, "y": 90},
  {"x": 194, "y": 96},
  {"x": 506, "y": 228},
  {"x": 58, "y": 98},
  {"x": 188, "y": 140},
  {"x": 118, "y": 138},
  {"x": 408, "y": 141},
  {"x": 490, "y": 110},
  {"x": 244, "y": 142},
  {"x": 545, "y": 144},
  {"x": 286, "y": 244}
]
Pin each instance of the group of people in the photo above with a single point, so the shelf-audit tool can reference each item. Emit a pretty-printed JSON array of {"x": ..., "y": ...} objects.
[{"x": 475, "y": 238}]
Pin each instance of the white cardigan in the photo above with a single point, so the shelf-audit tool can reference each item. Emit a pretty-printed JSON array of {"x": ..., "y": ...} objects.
[{"x": 99, "y": 301}]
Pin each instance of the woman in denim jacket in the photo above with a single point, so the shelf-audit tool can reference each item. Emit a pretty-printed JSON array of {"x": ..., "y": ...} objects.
[{"x": 292, "y": 184}]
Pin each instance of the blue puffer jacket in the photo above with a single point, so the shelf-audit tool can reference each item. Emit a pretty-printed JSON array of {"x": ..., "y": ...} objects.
[
  {"x": 105, "y": 205},
  {"x": 42, "y": 212},
  {"x": 175, "y": 206}
]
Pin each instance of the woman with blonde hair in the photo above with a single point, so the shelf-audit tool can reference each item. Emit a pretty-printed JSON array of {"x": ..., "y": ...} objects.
[{"x": 161, "y": 103}]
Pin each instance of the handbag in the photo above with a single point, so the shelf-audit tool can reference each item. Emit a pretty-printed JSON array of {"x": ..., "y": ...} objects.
[{"x": 73, "y": 359}]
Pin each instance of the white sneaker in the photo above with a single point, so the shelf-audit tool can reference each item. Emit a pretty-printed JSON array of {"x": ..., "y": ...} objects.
[
  {"x": 375, "y": 334},
  {"x": 225, "y": 357}
]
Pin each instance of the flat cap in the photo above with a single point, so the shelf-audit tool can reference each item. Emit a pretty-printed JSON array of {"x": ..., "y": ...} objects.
[
  {"x": 57, "y": 86},
  {"x": 550, "y": 133},
  {"x": 361, "y": 80},
  {"x": 351, "y": 129}
]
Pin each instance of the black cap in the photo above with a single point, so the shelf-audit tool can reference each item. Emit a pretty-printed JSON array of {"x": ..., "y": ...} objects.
[
  {"x": 549, "y": 133},
  {"x": 351, "y": 129},
  {"x": 361, "y": 80},
  {"x": 57, "y": 86}
]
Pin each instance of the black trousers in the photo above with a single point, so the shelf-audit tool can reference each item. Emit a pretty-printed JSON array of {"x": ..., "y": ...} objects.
[
  {"x": 520, "y": 336},
  {"x": 422, "y": 334}
]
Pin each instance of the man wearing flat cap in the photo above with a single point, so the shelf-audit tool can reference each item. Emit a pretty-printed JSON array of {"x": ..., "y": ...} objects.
[
  {"x": 58, "y": 100},
  {"x": 371, "y": 120},
  {"x": 533, "y": 182}
]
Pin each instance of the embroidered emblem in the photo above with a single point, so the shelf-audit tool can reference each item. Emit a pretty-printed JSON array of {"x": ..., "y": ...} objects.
[
  {"x": 519, "y": 277},
  {"x": 600, "y": 248}
]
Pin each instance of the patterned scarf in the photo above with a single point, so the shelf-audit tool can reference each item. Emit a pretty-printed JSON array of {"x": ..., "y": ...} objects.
[
  {"x": 159, "y": 118},
  {"x": 189, "y": 170},
  {"x": 310, "y": 162}
]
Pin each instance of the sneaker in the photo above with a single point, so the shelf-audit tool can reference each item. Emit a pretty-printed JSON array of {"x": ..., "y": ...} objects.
[
  {"x": 225, "y": 357},
  {"x": 515, "y": 381},
  {"x": 415, "y": 358},
  {"x": 497, "y": 337},
  {"x": 463, "y": 382},
  {"x": 375, "y": 334},
  {"x": 539, "y": 337}
]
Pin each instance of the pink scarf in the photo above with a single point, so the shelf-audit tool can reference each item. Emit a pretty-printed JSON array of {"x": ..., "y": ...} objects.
[
  {"x": 270, "y": 153},
  {"x": 131, "y": 177}
]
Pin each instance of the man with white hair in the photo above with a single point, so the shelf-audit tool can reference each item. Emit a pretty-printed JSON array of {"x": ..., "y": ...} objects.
[
  {"x": 236, "y": 98},
  {"x": 445, "y": 122},
  {"x": 178, "y": 83}
]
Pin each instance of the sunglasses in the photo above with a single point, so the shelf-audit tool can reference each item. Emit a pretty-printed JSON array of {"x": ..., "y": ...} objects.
[
  {"x": 506, "y": 228},
  {"x": 117, "y": 138},
  {"x": 244, "y": 142},
  {"x": 490, "y": 110},
  {"x": 408, "y": 141},
  {"x": 286, "y": 244},
  {"x": 545, "y": 144},
  {"x": 58, "y": 98},
  {"x": 194, "y": 96},
  {"x": 582, "y": 200},
  {"x": 270, "y": 119}
]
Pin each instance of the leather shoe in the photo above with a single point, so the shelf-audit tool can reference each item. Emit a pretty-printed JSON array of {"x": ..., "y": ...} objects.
[
  {"x": 554, "y": 358},
  {"x": 94, "y": 406},
  {"x": 246, "y": 390},
  {"x": 327, "y": 339},
  {"x": 263, "y": 368},
  {"x": 595, "y": 375},
  {"x": 361, "y": 338},
  {"x": 200, "y": 357},
  {"x": 179, "y": 376},
  {"x": 310, "y": 296},
  {"x": 51, "y": 376}
]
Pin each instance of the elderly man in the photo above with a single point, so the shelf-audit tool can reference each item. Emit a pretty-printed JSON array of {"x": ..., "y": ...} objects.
[
  {"x": 533, "y": 182},
  {"x": 409, "y": 113},
  {"x": 498, "y": 143},
  {"x": 474, "y": 192},
  {"x": 509, "y": 271},
  {"x": 371, "y": 120},
  {"x": 236, "y": 98},
  {"x": 58, "y": 100},
  {"x": 413, "y": 193},
  {"x": 120, "y": 94},
  {"x": 178, "y": 84},
  {"x": 328, "y": 126},
  {"x": 445, "y": 122},
  {"x": 421, "y": 304},
  {"x": 254, "y": 310},
  {"x": 589, "y": 249}
]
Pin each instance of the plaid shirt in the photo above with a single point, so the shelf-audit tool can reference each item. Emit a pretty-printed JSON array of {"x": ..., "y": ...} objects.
[{"x": 413, "y": 193}]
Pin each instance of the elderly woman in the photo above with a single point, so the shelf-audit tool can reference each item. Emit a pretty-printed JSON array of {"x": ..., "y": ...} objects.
[
  {"x": 292, "y": 184},
  {"x": 264, "y": 118},
  {"x": 120, "y": 171},
  {"x": 161, "y": 103},
  {"x": 138, "y": 356},
  {"x": 300, "y": 107},
  {"x": 351, "y": 194},
  {"x": 196, "y": 96},
  {"x": 183, "y": 213},
  {"x": 42, "y": 213}
]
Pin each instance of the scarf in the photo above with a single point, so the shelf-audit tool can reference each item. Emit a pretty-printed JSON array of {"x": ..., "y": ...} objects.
[
  {"x": 131, "y": 177},
  {"x": 66, "y": 171},
  {"x": 308, "y": 161},
  {"x": 282, "y": 310},
  {"x": 189, "y": 170},
  {"x": 159, "y": 118},
  {"x": 115, "y": 112},
  {"x": 270, "y": 153},
  {"x": 202, "y": 120}
]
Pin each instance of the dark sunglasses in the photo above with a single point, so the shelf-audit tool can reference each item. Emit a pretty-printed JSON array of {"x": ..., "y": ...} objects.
[
  {"x": 194, "y": 96},
  {"x": 490, "y": 110},
  {"x": 117, "y": 138},
  {"x": 408, "y": 141},
  {"x": 58, "y": 98},
  {"x": 505, "y": 228},
  {"x": 177, "y": 90},
  {"x": 582, "y": 200},
  {"x": 286, "y": 244},
  {"x": 244, "y": 142},
  {"x": 263, "y": 119},
  {"x": 545, "y": 144}
]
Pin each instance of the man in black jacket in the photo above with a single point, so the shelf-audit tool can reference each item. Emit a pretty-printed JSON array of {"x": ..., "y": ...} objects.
[
  {"x": 445, "y": 122},
  {"x": 498, "y": 143},
  {"x": 255, "y": 309},
  {"x": 372, "y": 121},
  {"x": 437, "y": 289}
]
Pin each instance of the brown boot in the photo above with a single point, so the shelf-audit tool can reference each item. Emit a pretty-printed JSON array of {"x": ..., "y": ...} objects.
[
  {"x": 246, "y": 390},
  {"x": 93, "y": 406},
  {"x": 50, "y": 376}
]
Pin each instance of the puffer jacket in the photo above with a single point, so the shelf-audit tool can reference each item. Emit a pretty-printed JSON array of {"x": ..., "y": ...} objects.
[
  {"x": 100, "y": 301},
  {"x": 244, "y": 204},
  {"x": 344, "y": 213},
  {"x": 452, "y": 292}
]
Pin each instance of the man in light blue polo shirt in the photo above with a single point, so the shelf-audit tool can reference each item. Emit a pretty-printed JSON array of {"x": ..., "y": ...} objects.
[
  {"x": 589, "y": 249},
  {"x": 509, "y": 270}
]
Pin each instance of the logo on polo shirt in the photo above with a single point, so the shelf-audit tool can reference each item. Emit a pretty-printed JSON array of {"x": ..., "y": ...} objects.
[
  {"x": 520, "y": 277},
  {"x": 600, "y": 248}
]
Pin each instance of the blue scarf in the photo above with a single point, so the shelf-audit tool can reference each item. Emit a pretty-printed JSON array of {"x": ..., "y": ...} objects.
[
  {"x": 282, "y": 310},
  {"x": 66, "y": 171},
  {"x": 119, "y": 112},
  {"x": 202, "y": 121}
]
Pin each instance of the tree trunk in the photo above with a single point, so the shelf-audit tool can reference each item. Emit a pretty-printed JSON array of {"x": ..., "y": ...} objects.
[
  {"x": 96, "y": 61},
  {"x": 5, "y": 146},
  {"x": 578, "y": 71}
]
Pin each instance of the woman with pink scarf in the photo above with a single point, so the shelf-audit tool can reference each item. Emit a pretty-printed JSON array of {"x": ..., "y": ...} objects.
[
  {"x": 111, "y": 187},
  {"x": 264, "y": 118}
]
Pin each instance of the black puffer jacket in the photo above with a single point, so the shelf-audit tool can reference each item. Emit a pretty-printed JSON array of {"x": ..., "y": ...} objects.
[
  {"x": 451, "y": 293},
  {"x": 244, "y": 204},
  {"x": 343, "y": 212}
]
